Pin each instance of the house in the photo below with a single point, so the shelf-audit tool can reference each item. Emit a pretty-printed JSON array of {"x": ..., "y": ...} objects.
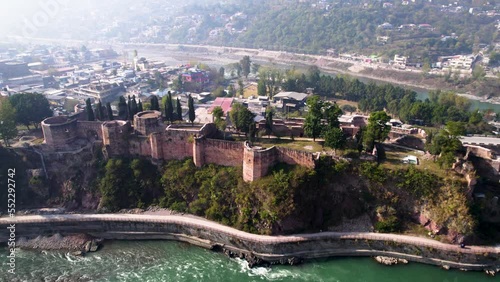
[
  {"x": 400, "y": 60},
  {"x": 292, "y": 100},
  {"x": 225, "y": 103},
  {"x": 386, "y": 26},
  {"x": 195, "y": 76},
  {"x": 462, "y": 62},
  {"x": 425, "y": 27}
]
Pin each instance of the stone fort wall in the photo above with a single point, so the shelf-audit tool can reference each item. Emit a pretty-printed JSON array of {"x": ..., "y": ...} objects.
[{"x": 119, "y": 138}]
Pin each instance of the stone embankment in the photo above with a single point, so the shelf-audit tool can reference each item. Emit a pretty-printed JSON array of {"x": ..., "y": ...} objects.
[{"x": 257, "y": 249}]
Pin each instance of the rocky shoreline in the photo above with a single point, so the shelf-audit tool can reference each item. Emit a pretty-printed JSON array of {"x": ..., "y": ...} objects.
[{"x": 76, "y": 244}]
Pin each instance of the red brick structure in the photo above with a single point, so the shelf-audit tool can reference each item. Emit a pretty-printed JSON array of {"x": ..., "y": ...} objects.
[{"x": 148, "y": 138}]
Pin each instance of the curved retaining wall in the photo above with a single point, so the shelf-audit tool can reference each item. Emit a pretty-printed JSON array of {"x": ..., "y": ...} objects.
[{"x": 209, "y": 234}]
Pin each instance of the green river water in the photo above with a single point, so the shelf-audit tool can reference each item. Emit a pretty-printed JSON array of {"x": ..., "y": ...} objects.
[{"x": 173, "y": 261}]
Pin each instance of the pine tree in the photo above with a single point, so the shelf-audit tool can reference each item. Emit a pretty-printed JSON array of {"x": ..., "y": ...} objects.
[
  {"x": 192, "y": 115},
  {"x": 179, "y": 110},
  {"x": 109, "y": 111},
  {"x": 89, "y": 110}
]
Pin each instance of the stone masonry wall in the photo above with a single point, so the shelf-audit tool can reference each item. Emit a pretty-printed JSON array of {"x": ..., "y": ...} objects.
[
  {"x": 87, "y": 129},
  {"x": 291, "y": 156},
  {"x": 220, "y": 152},
  {"x": 257, "y": 162}
]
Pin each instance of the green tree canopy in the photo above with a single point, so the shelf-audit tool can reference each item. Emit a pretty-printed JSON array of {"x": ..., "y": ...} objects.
[
  {"x": 241, "y": 118},
  {"x": 312, "y": 125},
  {"x": 377, "y": 129},
  {"x": 30, "y": 108},
  {"x": 245, "y": 66},
  {"x": 8, "y": 128}
]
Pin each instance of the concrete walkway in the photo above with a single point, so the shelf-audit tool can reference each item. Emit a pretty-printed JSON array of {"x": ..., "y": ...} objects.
[{"x": 187, "y": 220}]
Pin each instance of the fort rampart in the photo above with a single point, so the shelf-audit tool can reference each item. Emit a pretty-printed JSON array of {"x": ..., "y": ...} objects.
[{"x": 151, "y": 139}]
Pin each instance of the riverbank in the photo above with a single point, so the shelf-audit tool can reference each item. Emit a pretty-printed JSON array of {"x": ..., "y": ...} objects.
[
  {"x": 223, "y": 55},
  {"x": 257, "y": 249}
]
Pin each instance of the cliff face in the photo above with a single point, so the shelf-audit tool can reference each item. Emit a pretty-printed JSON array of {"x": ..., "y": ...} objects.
[
  {"x": 290, "y": 199},
  {"x": 49, "y": 179}
]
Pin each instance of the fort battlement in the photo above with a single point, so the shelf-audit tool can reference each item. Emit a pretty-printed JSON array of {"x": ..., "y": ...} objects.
[{"x": 149, "y": 138}]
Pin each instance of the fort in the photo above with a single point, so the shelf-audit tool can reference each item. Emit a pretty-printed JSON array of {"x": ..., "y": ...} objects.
[{"x": 148, "y": 137}]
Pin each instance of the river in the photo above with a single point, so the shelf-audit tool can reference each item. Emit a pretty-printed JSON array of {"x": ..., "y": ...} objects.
[{"x": 174, "y": 261}]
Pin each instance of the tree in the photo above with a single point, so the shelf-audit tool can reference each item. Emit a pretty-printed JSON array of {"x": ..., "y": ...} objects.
[
  {"x": 179, "y": 109},
  {"x": 130, "y": 113},
  {"x": 332, "y": 113},
  {"x": 222, "y": 72},
  {"x": 219, "y": 92},
  {"x": 100, "y": 111},
  {"x": 312, "y": 124},
  {"x": 191, "y": 111},
  {"x": 217, "y": 114},
  {"x": 245, "y": 66},
  {"x": 155, "y": 105},
  {"x": 122, "y": 108},
  {"x": 478, "y": 73},
  {"x": 377, "y": 129},
  {"x": 221, "y": 124},
  {"x": 269, "y": 120},
  {"x": 348, "y": 108},
  {"x": 494, "y": 59},
  {"x": 169, "y": 109},
  {"x": 241, "y": 118},
  {"x": 31, "y": 108},
  {"x": 241, "y": 88},
  {"x": 261, "y": 88},
  {"x": 89, "y": 110},
  {"x": 255, "y": 68},
  {"x": 8, "y": 128},
  {"x": 335, "y": 138},
  {"x": 140, "y": 107},
  {"x": 109, "y": 111},
  {"x": 134, "y": 107},
  {"x": 231, "y": 92}
]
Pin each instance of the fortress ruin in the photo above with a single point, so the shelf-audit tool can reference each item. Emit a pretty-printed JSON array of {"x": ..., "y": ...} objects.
[{"x": 148, "y": 137}]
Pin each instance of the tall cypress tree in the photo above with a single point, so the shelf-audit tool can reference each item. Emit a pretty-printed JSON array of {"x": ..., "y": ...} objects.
[
  {"x": 269, "y": 121},
  {"x": 139, "y": 107},
  {"x": 100, "y": 111},
  {"x": 155, "y": 105},
  {"x": 169, "y": 109},
  {"x": 109, "y": 111},
  {"x": 90, "y": 111},
  {"x": 130, "y": 114},
  {"x": 122, "y": 108},
  {"x": 179, "y": 110},
  {"x": 191, "y": 109},
  {"x": 134, "y": 107}
]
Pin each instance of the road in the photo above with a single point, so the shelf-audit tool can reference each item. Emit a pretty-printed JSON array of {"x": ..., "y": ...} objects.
[
  {"x": 200, "y": 223},
  {"x": 473, "y": 140}
]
